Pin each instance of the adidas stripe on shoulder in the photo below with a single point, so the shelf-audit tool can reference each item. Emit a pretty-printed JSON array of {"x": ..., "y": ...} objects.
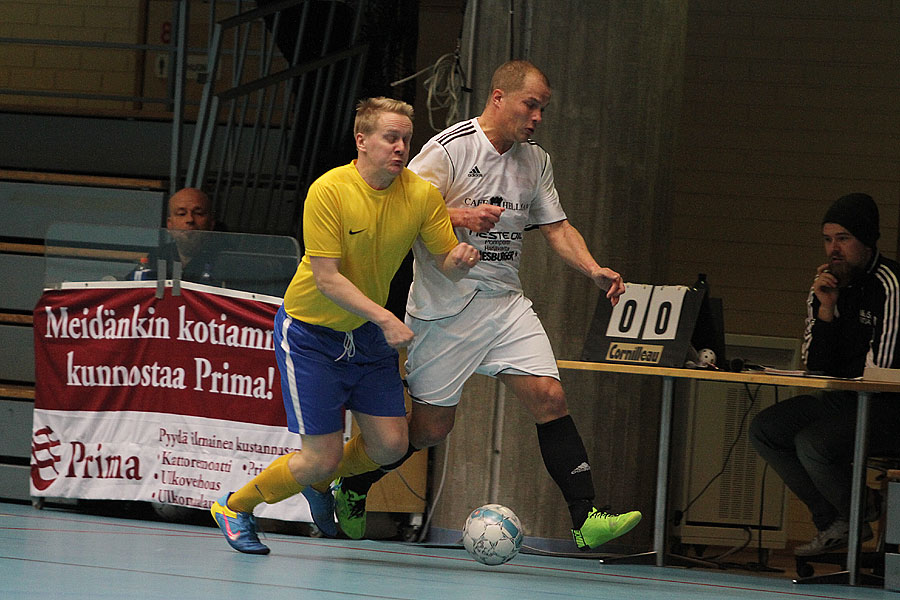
[{"x": 462, "y": 130}]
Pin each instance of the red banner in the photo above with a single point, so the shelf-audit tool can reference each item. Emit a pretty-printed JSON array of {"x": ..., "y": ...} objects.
[
  {"x": 198, "y": 354},
  {"x": 174, "y": 400}
]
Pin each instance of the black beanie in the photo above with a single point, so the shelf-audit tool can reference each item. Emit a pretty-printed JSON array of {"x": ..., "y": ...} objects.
[{"x": 858, "y": 214}]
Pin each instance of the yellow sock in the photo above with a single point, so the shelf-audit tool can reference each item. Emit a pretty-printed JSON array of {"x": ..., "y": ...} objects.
[
  {"x": 273, "y": 485},
  {"x": 354, "y": 462}
]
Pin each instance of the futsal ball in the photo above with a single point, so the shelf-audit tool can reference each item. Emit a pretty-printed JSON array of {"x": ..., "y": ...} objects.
[
  {"x": 493, "y": 534},
  {"x": 706, "y": 358}
]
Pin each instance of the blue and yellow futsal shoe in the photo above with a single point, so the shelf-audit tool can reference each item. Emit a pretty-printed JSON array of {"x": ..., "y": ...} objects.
[
  {"x": 239, "y": 527},
  {"x": 321, "y": 505},
  {"x": 601, "y": 527}
]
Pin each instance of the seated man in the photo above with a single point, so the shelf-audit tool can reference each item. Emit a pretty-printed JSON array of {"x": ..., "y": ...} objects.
[
  {"x": 190, "y": 214},
  {"x": 189, "y": 218},
  {"x": 852, "y": 320}
]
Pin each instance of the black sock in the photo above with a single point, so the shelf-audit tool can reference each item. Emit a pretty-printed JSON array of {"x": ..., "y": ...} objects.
[
  {"x": 567, "y": 462},
  {"x": 580, "y": 509},
  {"x": 362, "y": 482}
]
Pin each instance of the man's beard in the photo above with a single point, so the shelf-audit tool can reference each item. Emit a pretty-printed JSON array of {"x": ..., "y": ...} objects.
[{"x": 844, "y": 272}]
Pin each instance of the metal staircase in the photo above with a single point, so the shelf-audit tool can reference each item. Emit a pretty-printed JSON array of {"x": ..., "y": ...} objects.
[{"x": 282, "y": 114}]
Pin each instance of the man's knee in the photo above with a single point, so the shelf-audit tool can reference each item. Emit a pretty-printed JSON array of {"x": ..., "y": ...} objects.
[
  {"x": 767, "y": 431},
  {"x": 388, "y": 448},
  {"x": 309, "y": 467},
  {"x": 429, "y": 425},
  {"x": 756, "y": 432},
  {"x": 428, "y": 433},
  {"x": 547, "y": 401}
]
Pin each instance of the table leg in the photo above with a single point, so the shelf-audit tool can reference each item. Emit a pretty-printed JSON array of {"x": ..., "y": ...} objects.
[
  {"x": 662, "y": 470},
  {"x": 658, "y": 553},
  {"x": 859, "y": 474}
]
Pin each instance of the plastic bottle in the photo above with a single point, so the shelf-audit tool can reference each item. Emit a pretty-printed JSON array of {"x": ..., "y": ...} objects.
[{"x": 142, "y": 271}]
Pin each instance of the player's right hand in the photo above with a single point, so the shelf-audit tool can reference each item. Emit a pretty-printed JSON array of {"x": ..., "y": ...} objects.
[
  {"x": 478, "y": 219},
  {"x": 825, "y": 287},
  {"x": 397, "y": 334}
]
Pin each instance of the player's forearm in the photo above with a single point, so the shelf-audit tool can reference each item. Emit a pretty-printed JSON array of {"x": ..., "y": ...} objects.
[
  {"x": 340, "y": 290},
  {"x": 568, "y": 243},
  {"x": 450, "y": 268},
  {"x": 458, "y": 217}
]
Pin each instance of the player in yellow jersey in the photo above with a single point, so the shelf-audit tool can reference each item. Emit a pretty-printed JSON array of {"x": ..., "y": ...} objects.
[{"x": 335, "y": 343}]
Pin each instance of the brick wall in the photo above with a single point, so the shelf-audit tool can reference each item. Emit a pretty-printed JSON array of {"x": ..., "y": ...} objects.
[
  {"x": 78, "y": 70},
  {"x": 69, "y": 69},
  {"x": 787, "y": 106}
]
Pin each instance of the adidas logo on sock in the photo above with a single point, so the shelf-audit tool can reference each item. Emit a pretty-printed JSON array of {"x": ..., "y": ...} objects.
[
  {"x": 581, "y": 468},
  {"x": 475, "y": 172}
]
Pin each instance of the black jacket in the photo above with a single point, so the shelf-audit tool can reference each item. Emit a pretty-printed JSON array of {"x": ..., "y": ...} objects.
[{"x": 865, "y": 329}]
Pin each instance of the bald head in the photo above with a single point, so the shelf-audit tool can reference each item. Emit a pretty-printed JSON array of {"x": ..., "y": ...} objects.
[
  {"x": 515, "y": 106},
  {"x": 189, "y": 208},
  {"x": 511, "y": 76}
]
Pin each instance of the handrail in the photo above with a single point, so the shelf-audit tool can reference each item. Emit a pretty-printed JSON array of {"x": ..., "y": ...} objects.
[{"x": 94, "y": 180}]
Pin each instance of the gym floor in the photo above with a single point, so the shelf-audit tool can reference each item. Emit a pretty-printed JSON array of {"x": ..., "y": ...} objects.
[{"x": 58, "y": 553}]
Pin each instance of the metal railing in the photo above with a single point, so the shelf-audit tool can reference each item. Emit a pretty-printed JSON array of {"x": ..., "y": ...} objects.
[{"x": 261, "y": 138}]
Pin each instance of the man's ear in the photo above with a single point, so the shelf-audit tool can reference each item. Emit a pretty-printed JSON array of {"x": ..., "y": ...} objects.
[
  {"x": 360, "y": 142},
  {"x": 496, "y": 97}
]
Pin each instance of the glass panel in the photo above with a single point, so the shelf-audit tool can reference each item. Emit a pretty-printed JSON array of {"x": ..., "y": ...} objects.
[{"x": 80, "y": 252}]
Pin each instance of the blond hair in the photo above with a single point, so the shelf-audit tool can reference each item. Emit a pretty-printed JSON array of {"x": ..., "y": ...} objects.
[{"x": 369, "y": 109}]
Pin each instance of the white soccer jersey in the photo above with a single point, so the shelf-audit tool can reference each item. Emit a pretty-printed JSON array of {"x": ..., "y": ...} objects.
[{"x": 463, "y": 164}]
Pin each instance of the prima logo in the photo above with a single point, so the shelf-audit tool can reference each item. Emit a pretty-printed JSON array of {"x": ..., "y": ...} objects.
[
  {"x": 44, "y": 456},
  {"x": 100, "y": 464}
]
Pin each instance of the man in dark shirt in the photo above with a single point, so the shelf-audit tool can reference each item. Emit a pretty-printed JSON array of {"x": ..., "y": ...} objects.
[{"x": 853, "y": 320}]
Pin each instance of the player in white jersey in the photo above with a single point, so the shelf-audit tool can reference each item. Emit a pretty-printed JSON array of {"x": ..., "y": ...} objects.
[{"x": 496, "y": 183}]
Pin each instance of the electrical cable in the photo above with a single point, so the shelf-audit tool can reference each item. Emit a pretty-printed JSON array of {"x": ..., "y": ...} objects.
[
  {"x": 445, "y": 86},
  {"x": 761, "y": 564},
  {"x": 737, "y": 437}
]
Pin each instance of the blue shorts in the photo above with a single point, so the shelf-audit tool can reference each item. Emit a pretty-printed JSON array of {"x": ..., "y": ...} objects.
[{"x": 324, "y": 371}]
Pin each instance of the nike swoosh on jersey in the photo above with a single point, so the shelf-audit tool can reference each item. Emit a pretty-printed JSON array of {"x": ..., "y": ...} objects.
[{"x": 357, "y": 231}]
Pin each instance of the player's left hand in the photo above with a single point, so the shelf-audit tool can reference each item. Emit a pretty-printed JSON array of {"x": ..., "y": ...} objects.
[{"x": 609, "y": 280}]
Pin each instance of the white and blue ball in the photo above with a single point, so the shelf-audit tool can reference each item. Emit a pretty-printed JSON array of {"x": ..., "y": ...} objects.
[{"x": 493, "y": 534}]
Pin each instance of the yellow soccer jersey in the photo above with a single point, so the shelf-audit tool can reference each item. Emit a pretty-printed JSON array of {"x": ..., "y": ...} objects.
[{"x": 371, "y": 231}]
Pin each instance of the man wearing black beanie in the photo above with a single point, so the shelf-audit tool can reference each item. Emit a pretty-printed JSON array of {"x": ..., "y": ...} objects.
[{"x": 853, "y": 319}]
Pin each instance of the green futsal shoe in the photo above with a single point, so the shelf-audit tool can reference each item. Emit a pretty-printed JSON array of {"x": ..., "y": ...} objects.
[
  {"x": 602, "y": 526},
  {"x": 350, "y": 508}
]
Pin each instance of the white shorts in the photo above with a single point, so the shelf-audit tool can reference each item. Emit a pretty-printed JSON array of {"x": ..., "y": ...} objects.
[{"x": 494, "y": 333}]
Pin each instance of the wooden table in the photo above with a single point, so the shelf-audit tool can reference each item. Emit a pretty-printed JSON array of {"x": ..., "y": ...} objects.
[{"x": 864, "y": 388}]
